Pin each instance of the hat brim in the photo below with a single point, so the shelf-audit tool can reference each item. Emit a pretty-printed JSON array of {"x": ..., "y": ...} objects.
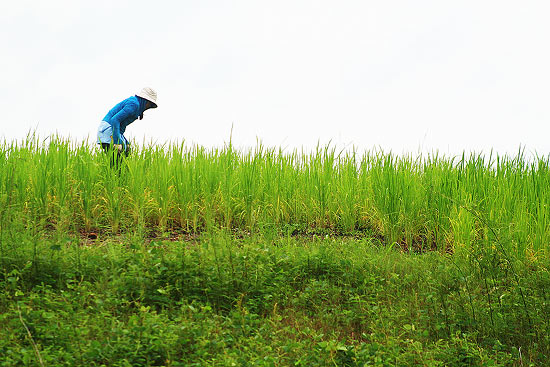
[{"x": 147, "y": 99}]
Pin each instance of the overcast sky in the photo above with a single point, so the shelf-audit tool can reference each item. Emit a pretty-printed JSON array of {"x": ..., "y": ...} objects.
[{"x": 401, "y": 75}]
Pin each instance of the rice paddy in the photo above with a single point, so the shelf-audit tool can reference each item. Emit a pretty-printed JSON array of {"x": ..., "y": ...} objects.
[{"x": 271, "y": 257}]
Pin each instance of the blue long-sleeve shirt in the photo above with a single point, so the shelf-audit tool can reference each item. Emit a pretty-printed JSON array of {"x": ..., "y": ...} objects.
[{"x": 119, "y": 117}]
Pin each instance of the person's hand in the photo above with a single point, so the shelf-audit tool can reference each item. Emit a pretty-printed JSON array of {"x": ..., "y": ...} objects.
[{"x": 118, "y": 147}]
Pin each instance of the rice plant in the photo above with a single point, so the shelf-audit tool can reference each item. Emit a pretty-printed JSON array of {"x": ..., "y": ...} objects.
[{"x": 418, "y": 203}]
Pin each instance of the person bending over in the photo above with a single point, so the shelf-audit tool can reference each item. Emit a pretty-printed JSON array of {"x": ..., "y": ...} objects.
[{"x": 110, "y": 133}]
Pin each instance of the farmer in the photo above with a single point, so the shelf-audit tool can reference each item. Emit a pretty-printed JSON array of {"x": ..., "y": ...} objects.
[{"x": 111, "y": 129}]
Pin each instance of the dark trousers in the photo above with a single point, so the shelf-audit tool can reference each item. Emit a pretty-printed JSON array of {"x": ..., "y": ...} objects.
[{"x": 116, "y": 156}]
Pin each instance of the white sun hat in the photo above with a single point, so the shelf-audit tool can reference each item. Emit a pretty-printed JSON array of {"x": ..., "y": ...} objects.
[{"x": 148, "y": 94}]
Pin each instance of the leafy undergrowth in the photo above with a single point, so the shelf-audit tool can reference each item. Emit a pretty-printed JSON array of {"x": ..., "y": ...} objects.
[{"x": 221, "y": 300}]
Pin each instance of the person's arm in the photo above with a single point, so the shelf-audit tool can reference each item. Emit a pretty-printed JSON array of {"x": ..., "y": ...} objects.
[{"x": 129, "y": 110}]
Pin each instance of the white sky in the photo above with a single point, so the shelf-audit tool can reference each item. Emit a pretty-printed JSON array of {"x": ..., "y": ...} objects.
[{"x": 401, "y": 75}]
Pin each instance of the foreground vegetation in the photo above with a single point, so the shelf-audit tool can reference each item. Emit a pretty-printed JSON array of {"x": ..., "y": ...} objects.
[
  {"x": 220, "y": 300},
  {"x": 187, "y": 256}
]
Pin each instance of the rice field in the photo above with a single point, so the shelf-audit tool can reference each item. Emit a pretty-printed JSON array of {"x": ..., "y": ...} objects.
[
  {"x": 188, "y": 256},
  {"x": 416, "y": 203}
]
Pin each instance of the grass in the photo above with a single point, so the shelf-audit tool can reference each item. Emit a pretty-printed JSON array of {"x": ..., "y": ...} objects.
[
  {"x": 189, "y": 256},
  {"x": 217, "y": 300}
]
